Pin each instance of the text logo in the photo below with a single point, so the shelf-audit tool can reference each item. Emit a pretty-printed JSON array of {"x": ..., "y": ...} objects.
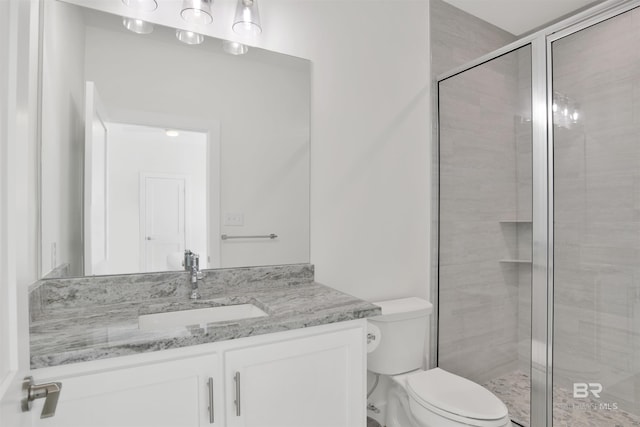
[{"x": 582, "y": 390}]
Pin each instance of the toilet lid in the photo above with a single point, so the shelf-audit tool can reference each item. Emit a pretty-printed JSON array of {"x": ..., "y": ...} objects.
[{"x": 454, "y": 394}]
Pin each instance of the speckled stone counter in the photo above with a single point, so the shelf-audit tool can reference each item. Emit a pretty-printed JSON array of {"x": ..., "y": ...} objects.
[{"x": 82, "y": 319}]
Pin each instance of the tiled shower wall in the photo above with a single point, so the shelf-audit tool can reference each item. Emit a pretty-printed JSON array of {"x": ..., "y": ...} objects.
[
  {"x": 484, "y": 212},
  {"x": 597, "y": 216},
  {"x": 479, "y": 296},
  {"x": 458, "y": 37},
  {"x": 597, "y": 211}
]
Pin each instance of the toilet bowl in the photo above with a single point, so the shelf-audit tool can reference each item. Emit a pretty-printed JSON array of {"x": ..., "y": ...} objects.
[
  {"x": 419, "y": 398},
  {"x": 437, "y": 398}
]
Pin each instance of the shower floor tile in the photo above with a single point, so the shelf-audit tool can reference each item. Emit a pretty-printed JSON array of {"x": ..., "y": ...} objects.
[{"x": 514, "y": 389}]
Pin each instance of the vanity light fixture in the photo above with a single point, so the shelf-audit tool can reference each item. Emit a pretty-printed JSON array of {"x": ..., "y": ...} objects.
[
  {"x": 234, "y": 48},
  {"x": 197, "y": 12},
  {"x": 137, "y": 26},
  {"x": 189, "y": 37},
  {"x": 247, "y": 20},
  {"x": 141, "y": 5},
  {"x": 171, "y": 132}
]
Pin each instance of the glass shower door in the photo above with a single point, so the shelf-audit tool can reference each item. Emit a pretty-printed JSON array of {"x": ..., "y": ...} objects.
[
  {"x": 485, "y": 229},
  {"x": 596, "y": 276}
]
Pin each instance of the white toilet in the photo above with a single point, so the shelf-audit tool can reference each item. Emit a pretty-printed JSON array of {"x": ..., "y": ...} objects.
[{"x": 418, "y": 398}]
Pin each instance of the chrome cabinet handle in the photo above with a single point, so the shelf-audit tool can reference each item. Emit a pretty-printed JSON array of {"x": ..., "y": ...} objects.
[
  {"x": 211, "y": 414},
  {"x": 236, "y": 378},
  {"x": 50, "y": 392}
]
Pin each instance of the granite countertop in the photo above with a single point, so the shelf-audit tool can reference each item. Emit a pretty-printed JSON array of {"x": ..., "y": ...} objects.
[{"x": 77, "y": 320}]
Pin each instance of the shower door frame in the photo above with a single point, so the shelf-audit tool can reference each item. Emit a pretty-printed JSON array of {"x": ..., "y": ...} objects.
[{"x": 542, "y": 286}]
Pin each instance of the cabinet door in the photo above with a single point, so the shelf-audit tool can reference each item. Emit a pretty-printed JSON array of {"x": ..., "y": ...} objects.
[
  {"x": 163, "y": 394},
  {"x": 317, "y": 381}
]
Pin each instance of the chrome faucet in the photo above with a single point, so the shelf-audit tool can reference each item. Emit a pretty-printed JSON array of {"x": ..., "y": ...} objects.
[{"x": 192, "y": 262}]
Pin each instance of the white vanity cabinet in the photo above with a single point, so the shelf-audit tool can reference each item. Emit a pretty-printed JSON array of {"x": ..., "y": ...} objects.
[
  {"x": 308, "y": 382},
  {"x": 312, "y": 377},
  {"x": 158, "y": 394}
]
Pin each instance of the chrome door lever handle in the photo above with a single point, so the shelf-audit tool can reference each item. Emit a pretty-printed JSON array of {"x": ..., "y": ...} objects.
[{"x": 50, "y": 392}]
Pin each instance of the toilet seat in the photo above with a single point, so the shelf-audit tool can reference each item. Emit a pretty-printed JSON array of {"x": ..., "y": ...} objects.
[{"x": 455, "y": 398}]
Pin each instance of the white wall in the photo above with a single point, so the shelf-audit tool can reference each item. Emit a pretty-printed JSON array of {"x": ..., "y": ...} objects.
[
  {"x": 262, "y": 108},
  {"x": 62, "y": 136},
  {"x": 129, "y": 149},
  {"x": 370, "y": 120}
]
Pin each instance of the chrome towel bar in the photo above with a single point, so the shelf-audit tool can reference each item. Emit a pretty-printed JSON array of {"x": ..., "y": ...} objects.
[{"x": 263, "y": 236}]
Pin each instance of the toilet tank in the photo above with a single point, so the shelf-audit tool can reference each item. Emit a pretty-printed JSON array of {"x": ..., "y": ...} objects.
[{"x": 401, "y": 333}]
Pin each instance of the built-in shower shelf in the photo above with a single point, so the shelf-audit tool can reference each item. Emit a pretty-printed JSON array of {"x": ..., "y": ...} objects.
[
  {"x": 515, "y": 221},
  {"x": 516, "y": 261}
]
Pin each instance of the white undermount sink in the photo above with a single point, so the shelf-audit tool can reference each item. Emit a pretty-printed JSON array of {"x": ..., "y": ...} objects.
[{"x": 199, "y": 316}]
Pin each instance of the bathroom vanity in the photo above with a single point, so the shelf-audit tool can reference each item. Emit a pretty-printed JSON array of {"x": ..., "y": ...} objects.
[
  {"x": 263, "y": 346},
  {"x": 300, "y": 363}
]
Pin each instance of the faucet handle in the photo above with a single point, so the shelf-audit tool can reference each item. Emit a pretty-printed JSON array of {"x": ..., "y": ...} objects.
[
  {"x": 187, "y": 260},
  {"x": 195, "y": 264}
]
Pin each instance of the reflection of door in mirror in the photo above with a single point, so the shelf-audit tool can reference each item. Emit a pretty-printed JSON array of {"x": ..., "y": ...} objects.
[
  {"x": 131, "y": 231},
  {"x": 95, "y": 179},
  {"x": 162, "y": 221},
  {"x": 157, "y": 197}
]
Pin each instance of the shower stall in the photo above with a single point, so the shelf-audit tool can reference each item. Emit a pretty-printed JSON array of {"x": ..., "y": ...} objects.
[{"x": 538, "y": 207}]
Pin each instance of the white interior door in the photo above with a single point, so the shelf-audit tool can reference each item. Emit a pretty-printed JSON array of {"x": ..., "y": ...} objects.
[
  {"x": 18, "y": 84},
  {"x": 95, "y": 184},
  {"x": 162, "y": 221}
]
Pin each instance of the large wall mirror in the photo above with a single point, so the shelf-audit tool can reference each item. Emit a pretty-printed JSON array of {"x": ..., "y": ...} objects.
[{"x": 151, "y": 146}]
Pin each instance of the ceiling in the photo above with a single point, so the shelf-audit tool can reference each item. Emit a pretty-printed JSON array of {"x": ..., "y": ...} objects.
[{"x": 519, "y": 16}]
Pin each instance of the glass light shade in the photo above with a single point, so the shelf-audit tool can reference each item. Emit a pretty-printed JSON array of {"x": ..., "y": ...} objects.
[
  {"x": 234, "y": 48},
  {"x": 247, "y": 20},
  {"x": 141, "y": 5},
  {"x": 189, "y": 37},
  {"x": 197, "y": 12},
  {"x": 137, "y": 26}
]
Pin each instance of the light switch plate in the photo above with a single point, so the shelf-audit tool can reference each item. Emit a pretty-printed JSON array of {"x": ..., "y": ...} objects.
[{"x": 234, "y": 218}]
